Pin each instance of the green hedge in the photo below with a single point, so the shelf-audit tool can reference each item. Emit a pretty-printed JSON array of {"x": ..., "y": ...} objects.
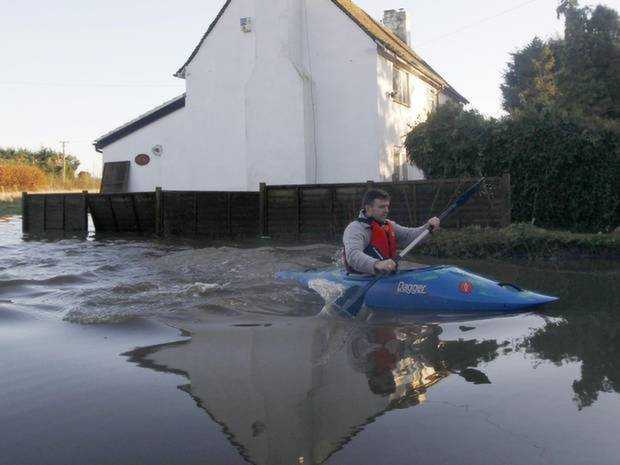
[
  {"x": 520, "y": 241},
  {"x": 564, "y": 169}
]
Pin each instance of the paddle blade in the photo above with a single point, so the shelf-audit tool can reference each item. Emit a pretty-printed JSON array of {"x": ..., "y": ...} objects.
[{"x": 351, "y": 301}]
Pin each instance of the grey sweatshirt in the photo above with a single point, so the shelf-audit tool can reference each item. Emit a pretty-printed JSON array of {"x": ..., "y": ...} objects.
[{"x": 357, "y": 237}]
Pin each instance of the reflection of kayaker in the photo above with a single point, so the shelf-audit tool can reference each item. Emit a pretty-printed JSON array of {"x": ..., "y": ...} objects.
[
  {"x": 403, "y": 362},
  {"x": 394, "y": 367}
]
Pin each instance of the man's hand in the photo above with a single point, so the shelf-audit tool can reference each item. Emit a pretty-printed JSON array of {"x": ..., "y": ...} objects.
[
  {"x": 385, "y": 266},
  {"x": 433, "y": 223}
]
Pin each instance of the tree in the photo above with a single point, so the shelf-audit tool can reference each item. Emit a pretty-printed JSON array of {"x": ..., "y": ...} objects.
[
  {"x": 589, "y": 78},
  {"x": 530, "y": 79},
  {"x": 50, "y": 161},
  {"x": 449, "y": 143},
  {"x": 579, "y": 73}
]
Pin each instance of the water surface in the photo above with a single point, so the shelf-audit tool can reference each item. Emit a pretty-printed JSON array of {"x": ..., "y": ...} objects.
[{"x": 139, "y": 351}]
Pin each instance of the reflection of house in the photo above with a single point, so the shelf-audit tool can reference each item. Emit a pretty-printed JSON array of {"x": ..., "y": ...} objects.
[
  {"x": 291, "y": 391},
  {"x": 285, "y": 92}
]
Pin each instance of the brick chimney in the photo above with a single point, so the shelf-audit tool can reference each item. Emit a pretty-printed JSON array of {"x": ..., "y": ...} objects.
[{"x": 398, "y": 22}]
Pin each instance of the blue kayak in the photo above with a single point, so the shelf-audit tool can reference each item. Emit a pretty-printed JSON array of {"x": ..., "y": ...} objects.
[{"x": 432, "y": 289}]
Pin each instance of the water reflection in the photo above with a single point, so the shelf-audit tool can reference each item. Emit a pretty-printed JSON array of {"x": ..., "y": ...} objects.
[
  {"x": 587, "y": 330},
  {"x": 298, "y": 392},
  {"x": 591, "y": 338}
]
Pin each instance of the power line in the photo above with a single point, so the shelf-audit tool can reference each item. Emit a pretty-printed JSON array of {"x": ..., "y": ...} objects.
[
  {"x": 480, "y": 21},
  {"x": 63, "y": 143},
  {"x": 84, "y": 84}
]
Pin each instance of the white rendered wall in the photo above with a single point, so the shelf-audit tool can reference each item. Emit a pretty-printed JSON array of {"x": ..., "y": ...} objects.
[
  {"x": 215, "y": 134},
  {"x": 278, "y": 106},
  {"x": 343, "y": 67},
  {"x": 161, "y": 171},
  {"x": 396, "y": 120}
]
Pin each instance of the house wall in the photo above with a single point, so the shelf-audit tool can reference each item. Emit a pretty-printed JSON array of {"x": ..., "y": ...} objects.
[
  {"x": 302, "y": 98},
  {"x": 161, "y": 171},
  {"x": 343, "y": 66},
  {"x": 215, "y": 136},
  {"x": 396, "y": 120}
]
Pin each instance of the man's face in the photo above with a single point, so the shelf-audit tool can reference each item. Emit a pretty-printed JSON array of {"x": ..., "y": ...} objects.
[{"x": 379, "y": 209}]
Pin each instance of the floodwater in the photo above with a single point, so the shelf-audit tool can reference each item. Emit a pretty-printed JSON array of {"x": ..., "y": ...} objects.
[{"x": 143, "y": 352}]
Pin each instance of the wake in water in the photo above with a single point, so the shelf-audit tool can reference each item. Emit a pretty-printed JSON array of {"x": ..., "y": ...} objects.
[{"x": 114, "y": 281}]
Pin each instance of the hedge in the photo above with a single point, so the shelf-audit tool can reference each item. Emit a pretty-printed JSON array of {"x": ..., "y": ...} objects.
[{"x": 564, "y": 169}]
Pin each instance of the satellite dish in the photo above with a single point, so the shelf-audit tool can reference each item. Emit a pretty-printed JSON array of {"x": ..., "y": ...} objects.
[{"x": 157, "y": 150}]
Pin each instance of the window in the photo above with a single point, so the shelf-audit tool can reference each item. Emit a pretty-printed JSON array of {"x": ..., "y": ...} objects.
[
  {"x": 399, "y": 164},
  {"x": 400, "y": 90}
]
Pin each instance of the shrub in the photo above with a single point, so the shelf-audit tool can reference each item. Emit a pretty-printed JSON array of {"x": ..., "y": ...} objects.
[
  {"x": 564, "y": 168},
  {"x": 21, "y": 177}
]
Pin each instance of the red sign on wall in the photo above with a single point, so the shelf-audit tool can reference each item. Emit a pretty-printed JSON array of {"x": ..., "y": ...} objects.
[{"x": 142, "y": 159}]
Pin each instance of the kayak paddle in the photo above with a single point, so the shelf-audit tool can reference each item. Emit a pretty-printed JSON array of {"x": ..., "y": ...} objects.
[{"x": 353, "y": 298}]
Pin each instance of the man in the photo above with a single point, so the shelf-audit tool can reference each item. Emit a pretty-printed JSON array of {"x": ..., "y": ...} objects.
[{"x": 371, "y": 241}]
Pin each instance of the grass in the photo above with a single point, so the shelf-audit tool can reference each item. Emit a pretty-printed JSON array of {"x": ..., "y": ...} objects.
[
  {"x": 521, "y": 241},
  {"x": 10, "y": 208},
  {"x": 18, "y": 177},
  {"x": 10, "y": 203}
]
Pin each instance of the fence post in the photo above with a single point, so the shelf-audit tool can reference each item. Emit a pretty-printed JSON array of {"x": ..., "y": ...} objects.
[
  {"x": 195, "y": 213},
  {"x": 111, "y": 206},
  {"x": 132, "y": 196},
  {"x": 332, "y": 195},
  {"x": 262, "y": 208},
  {"x": 158, "y": 211},
  {"x": 44, "y": 228},
  {"x": 414, "y": 201},
  {"x": 25, "y": 225},
  {"x": 64, "y": 212},
  {"x": 228, "y": 215},
  {"x": 85, "y": 216},
  {"x": 298, "y": 211}
]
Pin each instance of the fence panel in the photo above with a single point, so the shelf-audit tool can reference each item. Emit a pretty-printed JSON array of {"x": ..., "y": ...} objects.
[
  {"x": 326, "y": 209},
  {"x": 54, "y": 213},
  {"x": 301, "y": 211}
]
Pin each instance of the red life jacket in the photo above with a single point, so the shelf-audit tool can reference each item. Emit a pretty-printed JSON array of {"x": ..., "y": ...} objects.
[
  {"x": 382, "y": 240},
  {"x": 383, "y": 244}
]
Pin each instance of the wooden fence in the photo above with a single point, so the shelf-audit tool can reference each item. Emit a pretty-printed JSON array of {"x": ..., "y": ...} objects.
[
  {"x": 123, "y": 213},
  {"x": 324, "y": 210},
  {"x": 212, "y": 214},
  {"x": 165, "y": 213},
  {"x": 299, "y": 211},
  {"x": 54, "y": 213}
]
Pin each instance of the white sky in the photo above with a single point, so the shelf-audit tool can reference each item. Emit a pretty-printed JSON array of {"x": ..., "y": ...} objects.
[{"x": 73, "y": 69}]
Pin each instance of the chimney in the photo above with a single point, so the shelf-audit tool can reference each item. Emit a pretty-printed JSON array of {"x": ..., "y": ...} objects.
[{"x": 398, "y": 22}]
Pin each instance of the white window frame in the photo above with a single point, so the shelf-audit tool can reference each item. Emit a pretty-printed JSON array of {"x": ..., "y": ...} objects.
[
  {"x": 400, "y": 170},
  {"x": 401, "y": 86}
]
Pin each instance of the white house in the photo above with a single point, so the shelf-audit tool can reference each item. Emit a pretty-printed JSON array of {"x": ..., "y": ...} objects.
[{"x": 285, "y": 92}]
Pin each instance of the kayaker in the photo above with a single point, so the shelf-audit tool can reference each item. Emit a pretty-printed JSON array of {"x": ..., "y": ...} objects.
[{"x": 371, "y": 241}]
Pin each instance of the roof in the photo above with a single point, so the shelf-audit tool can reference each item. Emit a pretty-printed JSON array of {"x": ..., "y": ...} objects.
[
  {"x": 382, "y": 35},
  {"x": 385, "y": 37},
  {"x": 141, "y": 121}
]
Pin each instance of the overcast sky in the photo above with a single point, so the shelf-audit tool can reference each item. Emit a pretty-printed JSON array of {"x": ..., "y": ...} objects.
[{"x": 73, "y": 69}]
